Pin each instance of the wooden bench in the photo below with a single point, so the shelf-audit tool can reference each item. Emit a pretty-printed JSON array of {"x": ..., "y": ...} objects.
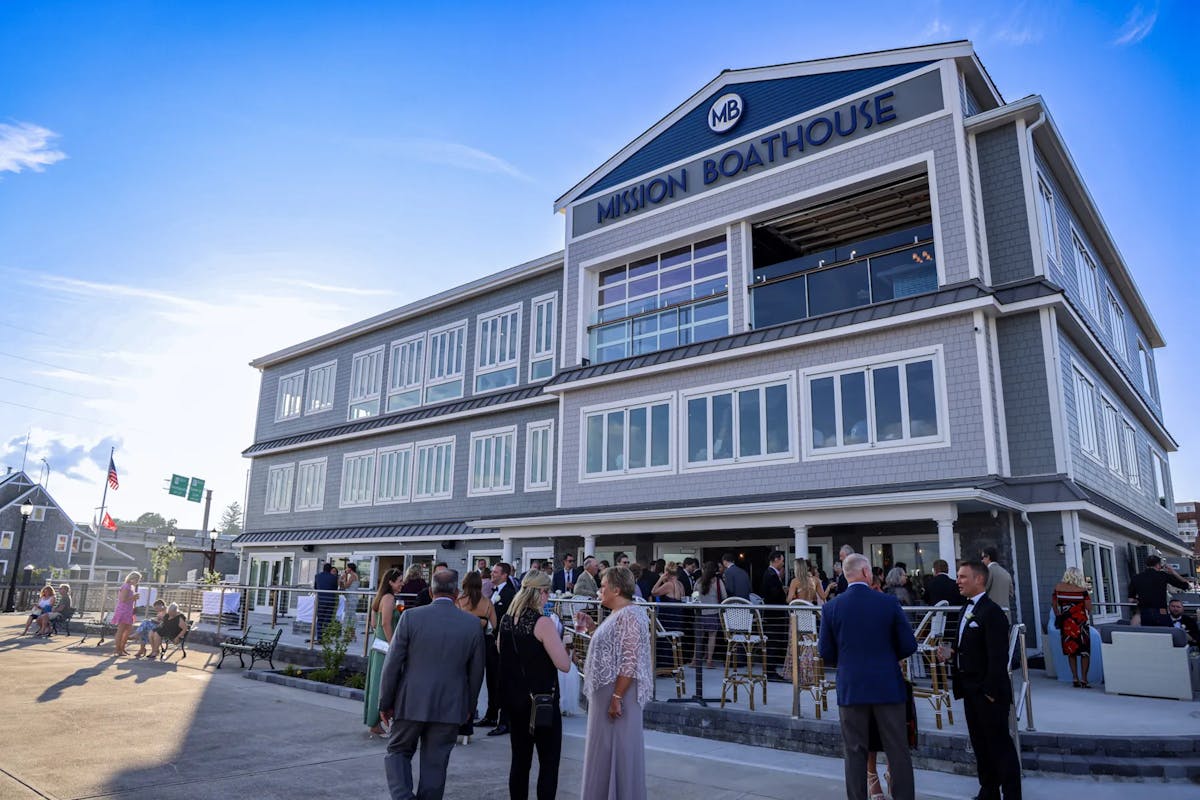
[{"x": 258, "y": 643}]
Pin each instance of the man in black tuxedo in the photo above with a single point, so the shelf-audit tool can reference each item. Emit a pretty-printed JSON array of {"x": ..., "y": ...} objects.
[
  {"x": 564, "y": 579},
  {"x": 843, "y": 553},
  {"x": 979, "y": 668},
  {"x": 685, "y": 575},
  {"x": 774, "y": 593},
  {"x": 326, "y": 584},
  {"x": 503, "y": 592}
]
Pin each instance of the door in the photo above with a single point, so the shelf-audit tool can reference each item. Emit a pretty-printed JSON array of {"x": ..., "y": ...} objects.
[{"x": 265, "y": 572}]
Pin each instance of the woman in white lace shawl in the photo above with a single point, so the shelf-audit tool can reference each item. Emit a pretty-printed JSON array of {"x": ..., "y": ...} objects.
[{"x": 618, "y": 682}]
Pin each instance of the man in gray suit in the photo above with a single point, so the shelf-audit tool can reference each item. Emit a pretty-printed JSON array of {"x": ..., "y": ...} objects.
[
  {"x": 737, "y": 581},
  {"x": 431, "y": 675},
  {"x": 999, "y": 582}
]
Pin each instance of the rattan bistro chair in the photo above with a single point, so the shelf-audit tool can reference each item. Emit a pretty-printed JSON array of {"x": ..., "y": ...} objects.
[
  {"x": 806, "y": 659},
  {"x": 930, "y": 634},
  {"x": 744, "y": 635}
]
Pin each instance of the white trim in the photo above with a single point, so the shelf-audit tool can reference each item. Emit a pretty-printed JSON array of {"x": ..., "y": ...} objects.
[
  {"x": 433, "y": 444},
  {"x": 359, "y": 357},
  {"x": 1116, "y": 327},
  {"x": 469, "y": 537},
  {"x": 747, "y": 273},
  {"x": 1113, "y": 444},
  {"x": 646, "y": 402},
  {"x": 549, "y": 299},
  {"x": 1044, "y": 193},
  {"x": 1001, "y": 411},
  {"x": 279, "y": 395},
  {"x": 472, "y": 555},
  {"x": 6, "y": 539},
  {"x": 953, "y": 88},
  {"x": 406, "y": 494},
  {"x": 981, "y": 215},
  {"x": 290, "y": 469},
  {"x": 406, "y": 343},
  {"x": 1058, "y": 426},
  {"x": 1100, "y": 513},
  {"x": 62, "y": 542},
  {"x": 357, "y": 455},
  {"x": 1079, "y": 247},
  {"x": 505, "y": 363},
  {"x": 1129, "y": 446},
  {"x": 320, "y": 504},
  {"x": 449, "y": 376},
  {"x": 505, "y": 434},
  {"x": 791, "y": 455},
  {"x": 1038, "y": 253},
  {"x": 326, "y": 365},
  {"x": 986, "y": 398},
  {"x": 541, "y": 552},
  {"x": 531, "y": 428},
  {"x": 1112, "y": 548},
  {"x": 1079, "y": 375},
  {"x": 868, "y": 364}
]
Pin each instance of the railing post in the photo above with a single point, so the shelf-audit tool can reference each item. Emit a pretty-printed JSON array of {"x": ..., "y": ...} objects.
[
  {"x": 793, "y": 653},
  {"x": 1028, "y": 685},
  {"x": 653, "y": 651},
  {"x": 220, "y": 611}
]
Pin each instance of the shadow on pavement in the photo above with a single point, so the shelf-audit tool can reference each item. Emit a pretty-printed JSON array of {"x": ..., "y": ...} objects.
[{"x": 77, "y": 678}]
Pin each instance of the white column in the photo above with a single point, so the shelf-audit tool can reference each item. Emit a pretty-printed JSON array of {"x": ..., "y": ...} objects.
[
  {"x": 801, "y": 534},
  {"x": 506, "y": 550},
  {"x": 945, "y": 528},
  {"x": 589, "y": 546}
]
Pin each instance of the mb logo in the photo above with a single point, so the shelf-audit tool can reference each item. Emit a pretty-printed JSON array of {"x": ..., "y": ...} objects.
[{"x": 726, "y": 112}]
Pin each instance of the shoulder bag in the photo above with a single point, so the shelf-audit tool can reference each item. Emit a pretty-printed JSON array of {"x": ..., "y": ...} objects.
[{"x": 543, "y": 705}]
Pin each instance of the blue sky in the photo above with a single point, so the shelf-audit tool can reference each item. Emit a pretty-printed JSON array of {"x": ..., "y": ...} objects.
[{"x": 184, "y": 187}]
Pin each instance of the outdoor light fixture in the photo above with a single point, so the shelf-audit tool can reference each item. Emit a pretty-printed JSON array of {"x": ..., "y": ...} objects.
[
  {"x": 170, "y": 538},
  {"x": 10, "y": 603},
  {"x": 1060, "y": 547},
  {"x": 213, "y": 535}
]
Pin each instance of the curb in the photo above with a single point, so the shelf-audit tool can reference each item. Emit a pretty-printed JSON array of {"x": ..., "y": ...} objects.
[{"x": 271, "y": 676}]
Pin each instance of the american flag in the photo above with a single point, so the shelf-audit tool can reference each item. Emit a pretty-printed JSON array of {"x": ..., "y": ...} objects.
[{"x": 112, "y": 475}]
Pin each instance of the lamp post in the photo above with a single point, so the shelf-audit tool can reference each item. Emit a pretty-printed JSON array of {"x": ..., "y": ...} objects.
[
  {"x": 170, "y": 538},
  {"x": 26, "y": 513},
  {"x": 213, "y": 535}
]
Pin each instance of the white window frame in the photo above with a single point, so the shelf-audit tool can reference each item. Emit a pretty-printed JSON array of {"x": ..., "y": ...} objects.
[
  {"x": 1116, "y": 325},
  {"x": 1099, "y": 600},
  {"x": 546, "y": 426},
  {"x": 1087, "y": 274},
  {"x": 1132, "y": 468},
  {"x": 1113, "y": 444},
  {"x": 406, "y": 495},
  {"x": 327, "y": 402},
  {"x": 281, "y": 412},
  {"x": 669, "y": 398},
  {"x": 484, "y": 349},
  {"x": 397, "y": 374},
  {"x": 1159, "y": 486},
  {"x": 290, "y": 483},
  {"x": 537, "y": 354},
  {"x": 361, "y": 386},
  {"x": 882, "y": 361},
  {"x": 1045, "y": 203},
  {"x": 1146, "y": 365},
  {"x": 6, "y": 539},
  {"x": 787, "y": 379},
  {"x": 62, "y": 541},
  {"x": 318, "y": 500},
  {"x": 498, "y": 435},
  {"x": 1086, "y": 417},
  {"x": 369, "y": 493},
  {"x": 39, "y": 514},
  {"x": 3, "y": 567},
  {"x": 450, "y": 376},
  {"x": 430, "y": 444}
]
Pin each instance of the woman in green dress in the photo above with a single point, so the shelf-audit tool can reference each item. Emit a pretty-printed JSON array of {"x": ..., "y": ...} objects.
[{"x": 384, "y": 615}]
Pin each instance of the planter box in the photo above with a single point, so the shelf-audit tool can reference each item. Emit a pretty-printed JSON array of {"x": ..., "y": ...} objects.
[{"x": 277, "y": 677}]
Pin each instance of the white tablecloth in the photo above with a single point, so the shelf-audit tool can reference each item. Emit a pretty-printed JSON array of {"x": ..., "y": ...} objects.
[
  {"x": 211, "y": 601},
  {"x": 304, "y": 608},
  {"x": 146, "y": 596}
]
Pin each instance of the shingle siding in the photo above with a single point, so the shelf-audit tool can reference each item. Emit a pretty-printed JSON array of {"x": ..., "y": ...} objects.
[
  {"x": 1026, "y": 396},
  {"x": 1009, "y": 250}
]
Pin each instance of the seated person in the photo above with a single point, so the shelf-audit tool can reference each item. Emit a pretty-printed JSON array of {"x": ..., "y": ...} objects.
[
  {"x": 41, "y": 612},
  {"x": 171, "y": 629},
  {"x": 147, "y": 626},
  {"x": 1177, "y": 619},
  {"x": 64, "y": 606}
]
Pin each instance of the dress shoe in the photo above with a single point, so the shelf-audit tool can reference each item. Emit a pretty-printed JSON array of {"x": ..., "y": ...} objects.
[
  {"x": 499, "y": 730},
  {"x": 486, "y": 722}
]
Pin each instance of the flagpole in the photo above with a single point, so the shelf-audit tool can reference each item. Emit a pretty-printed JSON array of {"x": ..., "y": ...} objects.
[{"x": 96, "y": 527}]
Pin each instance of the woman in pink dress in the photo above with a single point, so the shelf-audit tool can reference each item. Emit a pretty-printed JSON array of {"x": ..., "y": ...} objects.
[{"x": 122, "y": 615}]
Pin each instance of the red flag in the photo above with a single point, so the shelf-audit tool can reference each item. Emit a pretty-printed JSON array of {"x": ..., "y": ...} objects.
[{"x": 108, "y": 522}]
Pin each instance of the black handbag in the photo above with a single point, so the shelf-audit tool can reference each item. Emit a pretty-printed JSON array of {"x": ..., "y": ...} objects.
[{"x": 543, "y": 706}]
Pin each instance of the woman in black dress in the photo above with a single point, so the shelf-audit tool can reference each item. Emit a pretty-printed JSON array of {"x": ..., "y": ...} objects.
[{"x": 531, "y": 656}]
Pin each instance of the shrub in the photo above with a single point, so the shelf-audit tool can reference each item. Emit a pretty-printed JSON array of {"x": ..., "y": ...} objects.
[
  {"x": 323, "y": 675},
  {"x": 357, "y": 681},
  {"x": 335, "y": 638}
]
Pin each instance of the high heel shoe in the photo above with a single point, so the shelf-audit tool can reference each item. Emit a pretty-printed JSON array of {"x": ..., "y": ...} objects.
[
  {"x": 874, "y": 790},
  {"x": 464, "y": 740},
  {"x": 887, "y": 778},
  {"x": 376, "y": 732}
]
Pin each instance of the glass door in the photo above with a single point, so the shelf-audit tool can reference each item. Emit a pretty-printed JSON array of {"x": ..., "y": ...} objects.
[{"x": 265, "y": 572}]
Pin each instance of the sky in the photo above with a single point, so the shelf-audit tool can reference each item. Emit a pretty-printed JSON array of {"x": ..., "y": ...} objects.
[{"x": 185, "y": 187}]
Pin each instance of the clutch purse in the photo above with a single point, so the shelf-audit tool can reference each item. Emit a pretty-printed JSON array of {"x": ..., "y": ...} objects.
[{"x": 379, "y": 645}]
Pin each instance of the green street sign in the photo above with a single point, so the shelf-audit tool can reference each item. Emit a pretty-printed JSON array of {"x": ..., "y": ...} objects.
[
  {"x": 195, "y": 490},
  {"x": 179, "y": 485}
]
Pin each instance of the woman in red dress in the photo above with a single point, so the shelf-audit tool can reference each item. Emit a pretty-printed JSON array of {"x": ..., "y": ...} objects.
[{"x": 1072, "y": 603}]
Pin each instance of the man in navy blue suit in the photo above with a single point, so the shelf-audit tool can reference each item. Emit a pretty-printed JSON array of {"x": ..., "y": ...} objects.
[{"x": 865, "y": 634}]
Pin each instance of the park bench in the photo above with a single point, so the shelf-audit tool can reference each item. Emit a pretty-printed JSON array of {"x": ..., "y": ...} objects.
[
  {"x": 169, "y": 647},
  {"x": 258, "y": 643},
  {"x": 62, "y": 623},
  {"x": 102, "y": 627}
]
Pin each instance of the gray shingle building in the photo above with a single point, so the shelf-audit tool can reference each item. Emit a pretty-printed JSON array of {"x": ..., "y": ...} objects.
[{"x": 861, "y": 300}]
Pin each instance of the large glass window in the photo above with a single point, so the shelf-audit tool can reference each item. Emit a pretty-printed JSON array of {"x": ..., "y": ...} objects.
[
  {"x": 1116, "y": 325},
  {"x": 1132, "y": 470},
  {"x": 1112, "y": 435},
  {"x": 321, "y": 380},
  {"x": 366, "y": 379},
  {"x": 1160, "y": 479},
  {"x": 290, "y": 402},
  {"x": 881, "y": 405},
  {"x": 539, "y": 455},
  {"x": 358, "y": 478},
  {"x": 1099, "y": 569},
  {"x": 627, "y": 440},
  {"x": 444, "y": 377},
  {"x": 1146, "y": 362},
  {"x": 492, "y": 456},
  {"x": 1085, "y": 410},
  {"x": 498, "y": 349},
  {"x": 542, "y": 320},
  {"x": 394, "y": 478},
  {"x": 310, "y": 485},
  {"x": 751, "y": 423},
  {"x": 435, "y": 470},
  {"x": 406, "y": 368},
  {"x": 663, "y": 301},
  {"x": 279, "y": 489},
  {"x": 1085, "y": 272}
]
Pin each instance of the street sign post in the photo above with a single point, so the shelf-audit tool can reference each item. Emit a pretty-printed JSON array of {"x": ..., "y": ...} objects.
[
  {"x": 195, "y": 492},
  {"x": 179, "y": 485}
]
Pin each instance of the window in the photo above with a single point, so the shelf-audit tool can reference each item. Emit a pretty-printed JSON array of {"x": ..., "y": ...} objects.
[
  {"x": 888, "y": 404},
  {"x": 279, "y": 488},
  {"x": 406, "y": 368},
  {"x": 394, "y": 481},
  {"x": 1085, "y": 272},
  {"x": 39, "y": 514},
  {"x": 75, "y": 544},
  {"x": 1132, "y": 470},
  {"x": 358, "y": 478},
  {"x": 1146, "y": 362},
  {"x": 492, "y": 455},
  {"x": 627, "y": 440},
  {"x": 739, "y": 424},
  {"x": 539, "y": 456},
  {"x": 444, "y": 375},
  {"x": 366, "y": 377},
  {"x": 310, "y": 485},
  {"x": 1085, "y": 410},
  {"x": 1045, "y": 202},
  {"x": 306, "y": 572},
  {"x": 1099, "y": 568},
  {"x": 498, "y": 349},
  {"x": 1160, "y": 479},
  {"x": 670, "y": 299},
  {"x": 1112, "y": 435},
  {"x": 321, "y": 380},
  {"x": 6, "y": 539},
  {"x": 541, "y": 336},
  {"x": 435, "y": 469},
  {"x": 61, "y": 543},
  {"x": 1116, "y": 325},
  {"x": 290, "y": 400}
]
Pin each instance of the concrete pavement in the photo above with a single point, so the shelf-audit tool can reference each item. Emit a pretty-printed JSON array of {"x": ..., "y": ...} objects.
[{"x": 77, "y": 723}]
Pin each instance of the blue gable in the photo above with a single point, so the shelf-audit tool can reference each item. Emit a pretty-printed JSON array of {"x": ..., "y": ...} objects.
[{"x": 766, "y": 103}]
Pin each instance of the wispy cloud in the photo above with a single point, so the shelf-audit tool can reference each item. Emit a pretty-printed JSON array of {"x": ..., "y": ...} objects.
[
  {"x": 1020, "y": 27},
  {"x": 333, "y": 289},
  {"x": 27, "y": 146},
  {"x": 78, "y": 377},
  {"x": 935, "y": 29},
  {"x": 1137, "y": 26},
  {"x": 95, "y": 289},
  {"x": 453, "y": 154}
]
